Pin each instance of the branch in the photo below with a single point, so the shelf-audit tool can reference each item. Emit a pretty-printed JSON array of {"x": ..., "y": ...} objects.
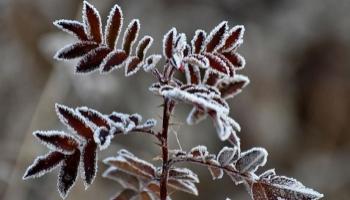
[{"x": 227, "y": 169}]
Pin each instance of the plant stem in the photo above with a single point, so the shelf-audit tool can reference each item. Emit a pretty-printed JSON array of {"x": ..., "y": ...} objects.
[
  {"x": 227, "y": 169},
  {"x": 168, "y": 107}
]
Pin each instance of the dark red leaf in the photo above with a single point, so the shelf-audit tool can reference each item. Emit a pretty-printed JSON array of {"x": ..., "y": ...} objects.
[
  {"x": 68, "y": 173},
  {"x": 92, "y": 22},
  {"x": 94, "y": 116},
  {"x": 230, "y": 66},
  {"x": 130, "y": 35},
  {"x": 233, "y": 86},
  {"x": 113, "y": 27},
  {"x": 143, "y": 46},
  {"x": 89, "y": 162},
  {"x": 132, "y": 65},
  {"x": 198, "y": 41},
  {"x": 235, "y": 59},
  {"x": 216, "y": 37},
  {"x": 217, "y": 64},
  {"x": 43, "y": 165},
  {"x": 235, "y": 35},
  {"x": 168, "y": 43},
  {"x": 74, "y": 121},
  {"x": 75, "y": 50},
  {"x": 210, "y": 78},
  {"x": 92, "y": 60},
  {"x": 136, "y": 118},
  {"x": 73, "y": 27},
  {"x": 193, "y": 75},
  {"x": 114, "y": 60},
  {"x": 57, "y": 141}
]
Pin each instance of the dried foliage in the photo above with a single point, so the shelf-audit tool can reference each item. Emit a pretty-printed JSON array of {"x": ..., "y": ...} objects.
[{"x": 213, "y": 55}]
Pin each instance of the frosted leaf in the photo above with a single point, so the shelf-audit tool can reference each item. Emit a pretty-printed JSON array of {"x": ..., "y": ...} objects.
[
  {"x": 72, "y": 27},
  {"x": 114, "y": 25},
  {"x": 215, "y": 172},
  {"x": 143, "y": 46},
  {"x": 136, "y": 118},
  {"x": 114, "y": 60},
  {"x": 210, "y": 77},
  {"x": 155, "y": 88},
  {"x": 122, "y": 164},
  {"x": 129, "y": 163},
  {"x": 180, "y": 43},
  {"x": 217, "y": 65},
  {"x": 125, "y": 195},
  {"x": 142, "y": 165},
  {"x": 183, "y": 185},
  {"x": 226, "y": 156},
  {"x": 198, "y": 41},
  {"x": 103, "y": 137},
  {"x": 151, "y": 62},
  {"x": 129, "y": 126},
  {"x": 121, "y": 122},
  {"x": 176, "y": 60},
  {"x": 251, "y": 160},
  {"x": 178, "y": 153},
  {"x": 264, "y": 190},
  {"x": 75, "y": 122},
  {"x": 43, "y": 165},
  {"x": 150, "y": 123},
  {"x": 92, "y": 22},
  {"x": 234, "y": 140},
  {"x": 235, "y": 59},
  {"x": 130, "y": 35},
  {"x": 204, "y": 101},
  {"x": 225, "y": 126},
  {"x": 235, "y": 178},
  {"x": 183, "y": 174},
  {"x": 75, "y": 50},
  {"x": 193, "y": 75},
  {"x": 187, "y": 50},
  {"x": 197, "y": 60},
  {"x": 68, "y": 174},
  {"x": 195, "y": 116},
  {"x": 94, "y": 117},
  {"x": 230, "y": 87},
  {"x": 230, "y": 66},
  {"x": 235, "y": 36},
  {"x": 124, "y": 179},
  {"x": 199, "y": 152},
  {"x": 217, "y": 37},
  {"x": 92, "y": 60},
  {"x": 268, "y": 174},
  {"x": 168, "y": 43},
  {"x": 89, "y": 163},
  {"x": 57, "y": 141},
  {"x": 118, "y": 117},
  {"x": 133, "y": 65}
]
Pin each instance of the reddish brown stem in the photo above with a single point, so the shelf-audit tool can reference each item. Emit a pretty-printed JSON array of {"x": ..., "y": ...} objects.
[{"x": 168, "y": 108}]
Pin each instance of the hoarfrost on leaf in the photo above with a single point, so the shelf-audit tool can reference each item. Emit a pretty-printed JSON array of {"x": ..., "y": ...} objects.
[
  {"x": 252, "y": 159},
  {"x": 226, "y": 155}
]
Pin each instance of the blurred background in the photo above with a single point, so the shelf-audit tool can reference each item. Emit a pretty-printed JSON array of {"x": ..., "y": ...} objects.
[{"x": 297, "y": 105}]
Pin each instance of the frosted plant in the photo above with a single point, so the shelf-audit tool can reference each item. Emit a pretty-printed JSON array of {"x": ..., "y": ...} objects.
[{"x": 210, "y": 65}]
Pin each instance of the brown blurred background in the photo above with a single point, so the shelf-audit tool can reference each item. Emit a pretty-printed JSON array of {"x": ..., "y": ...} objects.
[{"x": 297, "y": 105}]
